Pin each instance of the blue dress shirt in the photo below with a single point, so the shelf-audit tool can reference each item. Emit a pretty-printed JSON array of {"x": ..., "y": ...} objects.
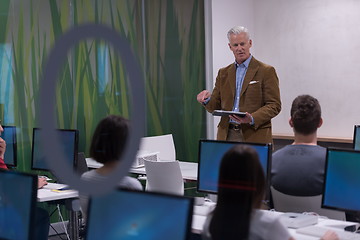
[{"x": 240, "y": 75}]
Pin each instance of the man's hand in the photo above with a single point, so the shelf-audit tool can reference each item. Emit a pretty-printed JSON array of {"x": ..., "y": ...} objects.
[
  {"x": 41, "y": 182},
  {"x": 2, "y": 148},
  {"x": 246, "y": 119},
  {"x": 203, "y": 96}
]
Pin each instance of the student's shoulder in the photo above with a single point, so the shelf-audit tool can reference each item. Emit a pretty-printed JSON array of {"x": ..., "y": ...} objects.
[
  {"x": 282, "y": 150},
  {"x": 131, "y": 183},
  {"x": 89, "y": 175},
  {"x": 269, "y": 225}
]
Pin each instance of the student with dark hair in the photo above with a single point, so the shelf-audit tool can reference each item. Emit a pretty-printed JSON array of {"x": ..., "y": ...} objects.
[
  {"x": 107, "y": 145},
  {"x": 298, "y": 169},
  {"x": 241, "y": 189}
]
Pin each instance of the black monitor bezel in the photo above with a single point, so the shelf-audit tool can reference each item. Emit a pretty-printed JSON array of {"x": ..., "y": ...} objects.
[
  {"x": 325, "y": 177},
  {"x": 189, "y": 214},
  {"x": 14, "y": 143},
  {"x": 33, "y": 197},
  {"x": 356, "y": 128},
  {"x": 268, "y": 170},
  {"x": 76, "y": 147}
]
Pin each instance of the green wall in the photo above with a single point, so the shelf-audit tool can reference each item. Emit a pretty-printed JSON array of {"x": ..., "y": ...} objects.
[{"x": 167, "y": 36}]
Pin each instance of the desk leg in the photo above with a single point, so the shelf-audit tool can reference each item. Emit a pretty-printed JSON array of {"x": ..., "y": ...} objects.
[
  {"x": 74, "y": 225},
  {"x": 73, "y": 205}
]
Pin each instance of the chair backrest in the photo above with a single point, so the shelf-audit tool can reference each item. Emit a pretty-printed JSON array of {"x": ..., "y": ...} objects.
[
  {"x": 298, "y": 204},
  {"x": 81, "y": 165},
  {"x": 164, "y": 177},
  {"x": 164, "y": 144}
]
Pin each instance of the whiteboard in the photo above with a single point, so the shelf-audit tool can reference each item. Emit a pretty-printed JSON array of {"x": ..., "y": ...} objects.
[{"x": 315, "y": 48}]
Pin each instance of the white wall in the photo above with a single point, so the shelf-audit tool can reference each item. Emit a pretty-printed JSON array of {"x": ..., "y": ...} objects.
[
  {"x": 314, "y": 46},
  {"x": 225, "y": 15}
]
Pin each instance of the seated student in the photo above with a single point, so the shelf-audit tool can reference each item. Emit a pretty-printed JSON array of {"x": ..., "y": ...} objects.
[
  {"x": 298, "y": 169},
  {"x": 241, "y": 189},
  {"x": 2, "y": 150},
  {"x": 42, "y": 216},
  {"x": 107, "y": 145},
  {"x": 41, "y": 181}
]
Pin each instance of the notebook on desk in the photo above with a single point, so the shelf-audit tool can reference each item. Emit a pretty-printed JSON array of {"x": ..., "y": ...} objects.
[{"x": 54, "y": 186}]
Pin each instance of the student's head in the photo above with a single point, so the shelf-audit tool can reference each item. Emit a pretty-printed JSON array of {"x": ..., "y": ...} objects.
[
  {"x": 305, "y": 115},
  {"x": 241, "y": 176},
  {"x": 241, "y": 188},
  {"x": 109, "y": 139}
]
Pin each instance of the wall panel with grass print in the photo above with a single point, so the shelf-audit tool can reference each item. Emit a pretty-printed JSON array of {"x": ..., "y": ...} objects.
[{"x": 167, "y": 37}]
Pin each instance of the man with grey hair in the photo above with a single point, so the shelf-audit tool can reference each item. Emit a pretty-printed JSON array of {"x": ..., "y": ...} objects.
[{"x": 247, "y": 85}]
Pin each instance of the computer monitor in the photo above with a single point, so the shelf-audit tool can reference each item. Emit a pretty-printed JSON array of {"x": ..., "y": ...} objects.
[
  {"x": 132, "y": 215},
  {"x": 210, "y": 155},
  {"x": 9, "y": 135},
  {"x": 68, "y": 140},
  {"x": 342, "y": 180},
  {"x": 17, "y": 205},
  {"x": 356, "y": 138}
]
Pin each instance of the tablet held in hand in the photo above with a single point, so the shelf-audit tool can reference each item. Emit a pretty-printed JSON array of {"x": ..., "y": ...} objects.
[{"x": 227, "y": 113}]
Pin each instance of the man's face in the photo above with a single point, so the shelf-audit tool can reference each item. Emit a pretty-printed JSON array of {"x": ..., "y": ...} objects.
[
  {"x": 1, "y": 129},
  {"x": 240, "y": 45}
]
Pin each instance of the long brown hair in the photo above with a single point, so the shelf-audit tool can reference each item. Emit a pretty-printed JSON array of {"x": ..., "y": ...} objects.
[{"x": 241, "y": 188}]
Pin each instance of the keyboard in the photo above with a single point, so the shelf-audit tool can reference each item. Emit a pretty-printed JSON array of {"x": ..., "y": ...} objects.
[{"x": 317, "y": 231}]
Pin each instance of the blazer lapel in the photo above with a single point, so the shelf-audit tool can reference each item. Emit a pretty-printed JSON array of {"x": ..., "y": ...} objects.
[{"x": 250, "y": 73}]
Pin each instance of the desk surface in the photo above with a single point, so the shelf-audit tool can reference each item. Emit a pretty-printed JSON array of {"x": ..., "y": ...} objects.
[
  {"x": 46, "y": 193},
  {"x": 199, "y": 220},
  {"x": 188, "y": 169}
]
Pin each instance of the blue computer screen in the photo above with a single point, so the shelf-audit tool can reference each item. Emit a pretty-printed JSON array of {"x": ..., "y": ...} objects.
[
  {"x": 356, "y": 138},
  {"x": 342, "y": 180},
  {"x": 68, "y": 140},
  {"x": 132, "y": 215},
  {"x": 9, "y": 135},
  {"x": 17, "y": 205},
  {"x": 210, "y": 155}
]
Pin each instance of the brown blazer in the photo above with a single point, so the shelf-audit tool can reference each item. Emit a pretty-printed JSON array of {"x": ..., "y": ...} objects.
[{"x": 260, "y": 96}]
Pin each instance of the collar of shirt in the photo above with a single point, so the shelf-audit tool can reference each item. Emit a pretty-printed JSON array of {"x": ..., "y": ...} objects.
[{"x": 245, "y": 63}]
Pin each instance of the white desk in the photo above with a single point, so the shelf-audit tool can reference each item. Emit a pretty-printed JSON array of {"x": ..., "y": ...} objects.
[
  {"x": 199, "y": 220},
  {"x": 188, "y": 169},
  {"x": 46, "y": 194}
]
